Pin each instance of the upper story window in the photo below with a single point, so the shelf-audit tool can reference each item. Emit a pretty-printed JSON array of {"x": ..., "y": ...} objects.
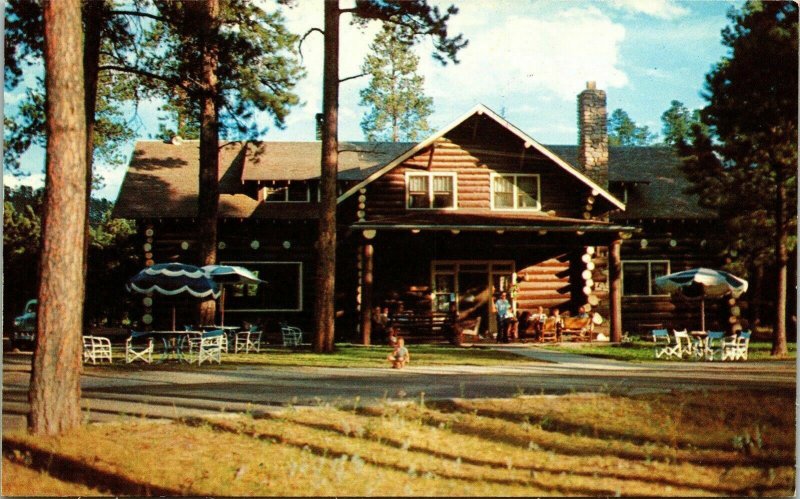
[
  {"x": 638, "y": 277},
  {"x": 515, "y": 192},
  {"x": 425, "y": 191},
  {"x": 292, "y": 192}
]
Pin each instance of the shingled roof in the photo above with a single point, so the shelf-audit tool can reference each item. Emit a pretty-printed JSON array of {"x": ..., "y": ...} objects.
[{"x": 162, "y": 178}]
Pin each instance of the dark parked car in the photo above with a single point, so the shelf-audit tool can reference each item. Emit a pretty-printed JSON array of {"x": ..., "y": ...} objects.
[{"x": 24, "y": 331}]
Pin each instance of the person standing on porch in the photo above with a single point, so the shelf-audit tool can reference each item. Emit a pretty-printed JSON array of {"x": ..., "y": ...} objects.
[{"x": 502, "y": 308}]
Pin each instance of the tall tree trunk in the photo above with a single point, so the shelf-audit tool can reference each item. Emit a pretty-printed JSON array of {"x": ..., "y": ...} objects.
[
  {"x": 615, "y": 290},
  {"x": 779, "y": 347},
  {"x": 92, "y": 22},
  {"x": 208, "y": 197},
  {"x": 326, "y": 244},
  {"x": 55, "y": 389}
]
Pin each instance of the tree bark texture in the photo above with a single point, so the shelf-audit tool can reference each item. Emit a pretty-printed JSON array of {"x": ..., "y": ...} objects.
[
  {"x": 208, "y": 189},
  {"x": 615, "y": 290},
  {"x": 326, "y": 244},
  {"x": 55, "y": 391},
  {"x": 367, "y": 252},
  {"x": 779, "y": 347}
]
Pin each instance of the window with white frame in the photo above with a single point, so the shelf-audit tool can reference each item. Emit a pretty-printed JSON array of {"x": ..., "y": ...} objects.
[
  {"x": 283, "y": 291},
  {"x": 638, "y": 277},
  {"x": 291, "y": 192},
  {"x": 515, "y": 192},
  {"x": 425, "y": 191}
]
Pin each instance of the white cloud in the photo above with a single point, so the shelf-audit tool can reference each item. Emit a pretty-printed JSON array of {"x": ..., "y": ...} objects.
[
  {"x": 527, "y": 54},
  {"x": 661, "y": 9}
]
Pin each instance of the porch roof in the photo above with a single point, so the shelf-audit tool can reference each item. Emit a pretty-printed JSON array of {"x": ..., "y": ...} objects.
[{"x": 468, "y": 220}]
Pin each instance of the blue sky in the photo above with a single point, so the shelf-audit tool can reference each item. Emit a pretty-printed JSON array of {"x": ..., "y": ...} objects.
[{"x": 527, "y": 59}]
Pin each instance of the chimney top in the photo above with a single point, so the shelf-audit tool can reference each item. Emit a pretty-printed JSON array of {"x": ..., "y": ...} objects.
[{"x": 591, "y": 85}]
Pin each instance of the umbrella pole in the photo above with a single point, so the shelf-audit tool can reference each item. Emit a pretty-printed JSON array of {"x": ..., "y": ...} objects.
[
  {"x": 702, "y": 314},
  {"x": 173, "y": 317}
]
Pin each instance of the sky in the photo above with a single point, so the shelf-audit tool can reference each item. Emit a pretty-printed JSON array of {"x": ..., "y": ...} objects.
[{"x": 526, "y": 60}]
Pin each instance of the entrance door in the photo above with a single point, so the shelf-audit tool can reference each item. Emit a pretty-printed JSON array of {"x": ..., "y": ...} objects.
[{"x": 474, "y": 283}]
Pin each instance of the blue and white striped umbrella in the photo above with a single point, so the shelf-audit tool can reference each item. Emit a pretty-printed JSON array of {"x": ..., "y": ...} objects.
[
  {"x": 230, "y": 274},
  {"x": 174, "y": 279},
  {"x": 702, "y": 282}
]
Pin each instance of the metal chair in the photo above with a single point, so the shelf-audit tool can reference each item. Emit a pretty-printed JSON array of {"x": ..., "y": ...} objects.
[
  {"x": 713, "y": 345},
  {"x": 96, "y": 348},
  {"x": 292, "y": 336},
  {"x": 209, "y": 348},
  {"x": 684, "y": 343},
  {"x": 132, "y": 353},
  {"x": 245, "y": 341},
  {"x": 737, "y": 347},
  {"x": 663, "y": 345}
]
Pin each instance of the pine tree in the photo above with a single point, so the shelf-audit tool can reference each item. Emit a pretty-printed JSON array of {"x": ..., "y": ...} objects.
[
  {"x": 423, "y": 20},
  {"x": 55, "y": 389},
  {"x": 398, "y": 107},
  {"x": 746, "y": 158},
  {"x": 623, "y": 131},
  {"x": 677, "y": 122}
]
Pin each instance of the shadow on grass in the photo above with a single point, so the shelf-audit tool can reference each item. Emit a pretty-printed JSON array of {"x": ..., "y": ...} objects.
[{"x": 75, "y": 471}]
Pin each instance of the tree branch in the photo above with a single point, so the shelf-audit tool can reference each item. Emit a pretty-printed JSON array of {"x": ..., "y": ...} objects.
[
  {"x": 147, "y": 74},
  {"x": 300, "y": 45},
  {"x": 138, "y": 14},
  {"x": 352, "y": 77}
]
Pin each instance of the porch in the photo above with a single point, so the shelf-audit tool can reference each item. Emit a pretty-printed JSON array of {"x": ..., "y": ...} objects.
[{"x": 451, "y": 273}]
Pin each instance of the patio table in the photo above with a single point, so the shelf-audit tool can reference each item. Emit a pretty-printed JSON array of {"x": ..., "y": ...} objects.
[{"x": 174, "y": 343}]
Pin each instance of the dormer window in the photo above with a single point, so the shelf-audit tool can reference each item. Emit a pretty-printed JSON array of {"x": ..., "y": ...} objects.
[
  {"x": 515, "y": 192},
  {"x": 291, "y": 192},
  {"x": 427, "y": 191}
]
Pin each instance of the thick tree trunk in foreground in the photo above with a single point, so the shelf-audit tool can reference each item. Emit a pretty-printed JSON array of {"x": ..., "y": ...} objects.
[
  {"x": 208, "y": 197},
  {"x": 326, "y": 244},
  {"x": 55, "y": 379},
  {"x": 779, "y": 347}
]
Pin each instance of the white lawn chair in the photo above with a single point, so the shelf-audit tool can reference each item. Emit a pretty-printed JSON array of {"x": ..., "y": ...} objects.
[
  {"x": 132, "y": 353},
  {"x": 247, "y": 341},
  {"x": 713, "y": 345},
  {"x": 96, "y": 348},
  {"x": 684, "y": 343},
  {"x": 736, "y": 348},
  {"x": 209, "y": 348},
  {"x": 292, "y": 336},
  {"x": 663, "y": 346}
]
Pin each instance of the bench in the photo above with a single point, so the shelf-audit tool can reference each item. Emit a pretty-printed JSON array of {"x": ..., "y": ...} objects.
[
  {"x": 581, "y": 327},
  {"x": 426, "y": 324}
]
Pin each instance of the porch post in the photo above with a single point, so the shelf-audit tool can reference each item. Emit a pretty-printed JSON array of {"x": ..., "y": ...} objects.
[
  {"x": 366, "y": 293},
  {"x": 615, "y": 290}
]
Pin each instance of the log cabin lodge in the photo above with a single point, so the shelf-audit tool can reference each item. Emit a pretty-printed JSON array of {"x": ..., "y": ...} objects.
[{"x": 435, "y": 227}]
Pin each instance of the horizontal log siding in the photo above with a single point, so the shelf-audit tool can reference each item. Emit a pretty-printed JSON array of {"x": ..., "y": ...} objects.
[
  {"x": 688, "y": 252},
  {"x": 543, "y": 285},
  {"x": 238, "y": 236},
  {"x": 473, "y": 163}
]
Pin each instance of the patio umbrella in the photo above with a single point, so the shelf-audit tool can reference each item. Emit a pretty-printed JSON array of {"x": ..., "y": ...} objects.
[
  {"x": 229, "y": 274},
  {"x": 702, "y": 282},
  {"x": 173, "y": 279}
]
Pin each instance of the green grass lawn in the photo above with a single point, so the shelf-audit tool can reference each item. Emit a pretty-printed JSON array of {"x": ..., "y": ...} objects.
[
  {"x": 643, "y": 351},
  {"x": 345, "y": 355}
]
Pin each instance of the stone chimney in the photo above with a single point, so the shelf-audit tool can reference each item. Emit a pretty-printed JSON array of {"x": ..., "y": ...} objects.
[{"x": 593, "y": 134}]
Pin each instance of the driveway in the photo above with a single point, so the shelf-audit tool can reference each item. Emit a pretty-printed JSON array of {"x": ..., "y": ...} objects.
[{"x": 151, "y": 392}]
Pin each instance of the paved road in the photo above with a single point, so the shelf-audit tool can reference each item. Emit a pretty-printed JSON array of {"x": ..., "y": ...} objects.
[{"x": 151, "y": 392}]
